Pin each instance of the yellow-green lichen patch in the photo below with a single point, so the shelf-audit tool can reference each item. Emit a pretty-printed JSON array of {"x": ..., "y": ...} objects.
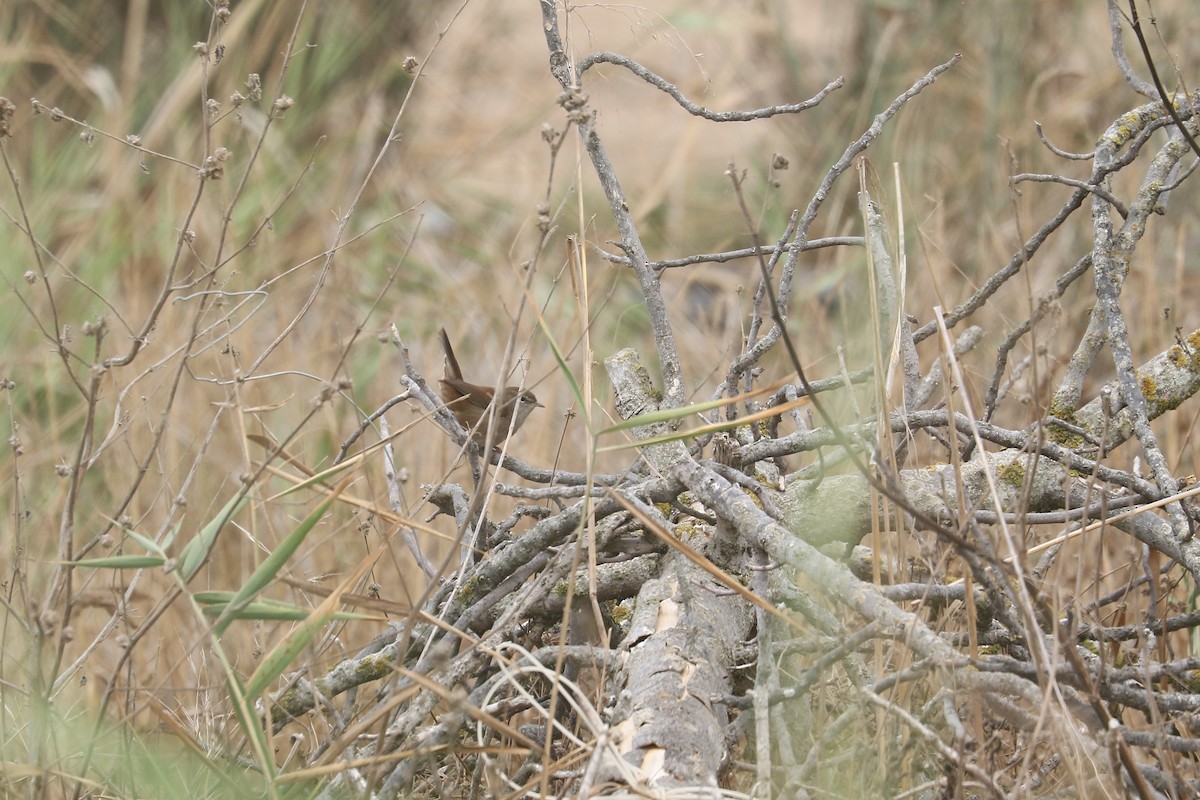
[
  {"x": 1059, "y": 434},
  {"x": 1193, "y": 343},
  {"x": 1186, "y": 355},
  {"x": 754, "y": 498},
  {"x": 469, "y": 589},
  {"x": 686, "y": 531},
  {"x": 764, "y": 479},
  {"x": 1149, "y": 387},
  {"x": 1013, "y": 473}
]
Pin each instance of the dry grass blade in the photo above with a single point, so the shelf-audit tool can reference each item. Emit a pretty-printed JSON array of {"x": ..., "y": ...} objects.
[{"x": 669, "y": 415}]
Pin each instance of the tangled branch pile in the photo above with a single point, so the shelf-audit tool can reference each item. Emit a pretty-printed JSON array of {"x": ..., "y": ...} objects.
[{"x": 707, "y": 621}]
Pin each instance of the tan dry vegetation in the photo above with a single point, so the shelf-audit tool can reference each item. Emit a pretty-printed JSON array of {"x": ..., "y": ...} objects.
[{"x": 440, "y": 236}]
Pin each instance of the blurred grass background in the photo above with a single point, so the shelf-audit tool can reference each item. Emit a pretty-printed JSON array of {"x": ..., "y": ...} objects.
[{"x": 449, "y": 219}]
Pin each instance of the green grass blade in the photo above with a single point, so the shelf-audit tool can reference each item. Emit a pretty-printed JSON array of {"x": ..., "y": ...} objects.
[
  {"x": 120, "y": 562},
  {"x": 279, "y": 659},
  {"x": 196, "y": 550},
  {"x": 272, "y": 564},
  {"x": 216, "y": 603}
]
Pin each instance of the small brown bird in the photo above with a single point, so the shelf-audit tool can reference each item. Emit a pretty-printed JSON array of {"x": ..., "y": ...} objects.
[{"x": 470, "y": 403}]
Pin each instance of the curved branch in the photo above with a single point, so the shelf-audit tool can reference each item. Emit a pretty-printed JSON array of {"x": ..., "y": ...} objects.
[{"x": 697, "y": 110}]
